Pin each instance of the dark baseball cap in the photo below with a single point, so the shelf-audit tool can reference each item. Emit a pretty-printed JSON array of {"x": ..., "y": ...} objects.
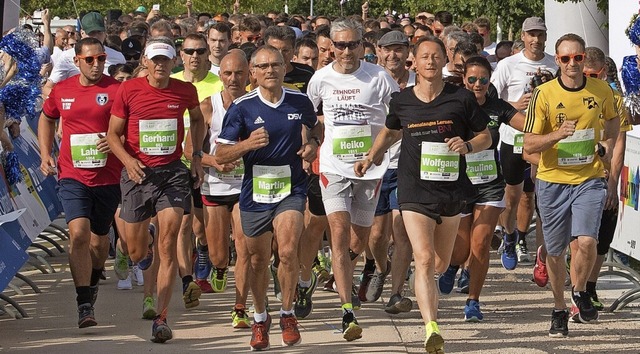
[
  {"x": 533, "y": 24},
  {"x": 92, "y": 22},
  {"x": 131, "y": 47},
  {"x": 393, "y": 37}
]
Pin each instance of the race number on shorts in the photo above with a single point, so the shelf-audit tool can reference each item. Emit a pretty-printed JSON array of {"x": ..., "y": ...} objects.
[
  {"x": 158, "y": 136},
  {"x": 351, "y": 142},
  {"x": 271, "y": 184},
  {"x": 577, "y": 149},
  {"x": 84, "y": 152},
  {"x": 438, "y": 163}
]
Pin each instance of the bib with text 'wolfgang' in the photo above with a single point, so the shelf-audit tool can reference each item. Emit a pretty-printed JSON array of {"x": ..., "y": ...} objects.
[{"x": 438, "y": 163}]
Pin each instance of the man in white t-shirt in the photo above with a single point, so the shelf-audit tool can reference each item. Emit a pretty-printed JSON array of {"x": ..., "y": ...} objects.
[
  {"x": 354, "y": 96},
  {"x": 59, "y": 44},
  {"x": 484, "y": 29},
  {"x": 513, "y": 81}
]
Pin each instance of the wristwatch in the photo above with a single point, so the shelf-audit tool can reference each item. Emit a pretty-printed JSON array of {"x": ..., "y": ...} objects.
[
  {"x": 197, "y": 153},
  {"x": 469, "y": 146}
]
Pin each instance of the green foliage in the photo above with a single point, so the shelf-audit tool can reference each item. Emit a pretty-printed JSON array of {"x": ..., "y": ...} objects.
[{"x": 603, "y": 5}]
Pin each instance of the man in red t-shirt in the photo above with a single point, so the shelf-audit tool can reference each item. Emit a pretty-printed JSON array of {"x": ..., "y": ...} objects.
[
  {"x": 89, "y": 175},
  {"x": 148, "y": 113}
]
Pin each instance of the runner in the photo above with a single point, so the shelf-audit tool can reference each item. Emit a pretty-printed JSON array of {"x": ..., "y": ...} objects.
[
  {"x": 273, "y": 191},
  {"x": 88, "y": 174},
  {"x": 148, "y": 113},
  {"x": 218, "y": 39},
  {"x": 439, "y": 122}
]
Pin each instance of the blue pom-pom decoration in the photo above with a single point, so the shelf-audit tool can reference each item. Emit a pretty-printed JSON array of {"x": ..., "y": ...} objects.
[
  {"x": 634, "y": 31},
  {"x": 12, "y": 168},
  {"x": 630, "y": 74}
]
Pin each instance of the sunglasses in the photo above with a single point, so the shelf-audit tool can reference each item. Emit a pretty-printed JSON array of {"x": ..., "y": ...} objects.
[
  {"x": 370, "y": 58},
  {"x": 190, "y": 51},
  {"x": 483, "y": 80},
  {"x": 253, "y": 38},
  {"x": 132, "y": 56},
  {"x": 565, "y": 59},
  {"x": 593, "y": 74},
  {"x": 344, "y": 45},
  {"x": 89, "y": 59},
  {"x": 70, "y": 32}
]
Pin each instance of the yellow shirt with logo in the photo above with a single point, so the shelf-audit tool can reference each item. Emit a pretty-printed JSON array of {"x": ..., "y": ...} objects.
[{"x": 550, "y": 105}]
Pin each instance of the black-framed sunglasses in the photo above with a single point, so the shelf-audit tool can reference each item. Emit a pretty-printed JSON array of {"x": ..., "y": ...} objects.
[
  {"x": 344, "y": 45},
  {"x": 132, "y": 56},
  {"x": 190, "y": 51}
]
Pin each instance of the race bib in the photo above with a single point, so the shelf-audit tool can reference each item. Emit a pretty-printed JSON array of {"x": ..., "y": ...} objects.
[
  {"x": 437, "y": 163},
  {"x": 84, "y": 152},
  {"x": 577, "y": 149},
  {"x": 351, "y": 142},
  {"x": 271, "y": 184},
  {"x": 481, "y": 167},
  {"x": 518, "y": 143},
  {"x": 158, "y": 136},
  {"x": 233, "y": 175}
]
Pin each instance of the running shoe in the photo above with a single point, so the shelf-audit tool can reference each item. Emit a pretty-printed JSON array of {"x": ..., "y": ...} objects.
[
  {"x": 276, "y": 283},
  {"x": 448, "y": 279},
  {"x": 290, "y": 332},
  {"x": 160, "y": 331},
  {"x": 321, "y": 273},
  {"x": 496, "y": 239},
  {"x": 330, "y": 285},
  {"x": 355, "y": 299},
  {"x": 376, "y": 285},
  {"x": 204, "y": 286},
  {"x": 509, "y": 257},
  {"x": 363, "y": 288},
  {"x": 463, "y": 282},
  {"x": 540, "y": 275},
  {"x": 149, "y": 308},
  {"x": 219, "y": 280},
  {"x": 94, "y": 294},
  {"x": 138, "y": 277},
  {"x": 202, "y": 265},
  {"x": 146, "y": 262},
  {"x": 121, "y": 265},
  {"x": 304, "y": 304},
  {"x": 350, "y": 328},
  {"x": 260, "y": 335},
  {"x": 582, "y": 310},
  {"x": 125, "y": 284},
  {"x": 434, "y": 343},
  {"x": 86, "y": 317},
  {"x": 239, "y": 317},
  {"x": 397, "y": 304},
  {"x": 523, "y": 252},
  {"x": 191, "y": 295},
  {"x": 472, "y": 311},
  {"x": 324, "y": 267},
  {"x": 595, "y": 302},
  {"x": 559, "y": 324}
]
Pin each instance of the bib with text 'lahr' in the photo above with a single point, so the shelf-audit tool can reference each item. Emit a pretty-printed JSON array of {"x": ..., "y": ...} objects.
[
  {"x": 577, "y": 149},
  {"x": 271, "y": 184},
  {"x": 158, "y": 136},
  {"x": 84, "y": 152},
  {"x": 438, "y": 163},
  {"x": 351, "y": 142}
]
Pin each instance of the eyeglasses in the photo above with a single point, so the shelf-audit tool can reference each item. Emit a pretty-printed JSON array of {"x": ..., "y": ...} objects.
[
  {"x": 370, "y": 58},
  {"x": 344, "y": 45},
  {"x": 565, "y": 59},
  {"x": 593, "y": 74},
  {"x": 483, "y": 80},
  {"x": 89, "y": 59},
  {"x": 265, "y": 66},
  {"x": 190, "y": 51},
  {"x": 253, "y": 38}
]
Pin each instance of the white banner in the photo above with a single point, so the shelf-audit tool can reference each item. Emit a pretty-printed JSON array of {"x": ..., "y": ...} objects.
[{"x": 626, "y": 237}]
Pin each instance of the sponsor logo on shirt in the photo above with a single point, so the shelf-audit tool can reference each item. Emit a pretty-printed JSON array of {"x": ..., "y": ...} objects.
[
  {"x": 102, "y": 99},
  {"x": 294, "y": 116},
  {"x": 173, "y": 106},
  {"x": 66, "y": 103},
  {"x": 590, "y": 102},
  {"x": 560, "y": 106},
  {"x": 258, "y": 120}
]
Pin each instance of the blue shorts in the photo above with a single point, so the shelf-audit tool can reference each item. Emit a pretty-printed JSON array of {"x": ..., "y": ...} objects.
[
  {"x": 388, "y": 193},
  {"x": 568, "y": 211},
  {"x": 98, "y": 204}
]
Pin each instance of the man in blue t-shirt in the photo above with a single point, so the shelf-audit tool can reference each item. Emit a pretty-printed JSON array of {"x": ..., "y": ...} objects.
[{"x": 264, "y": 128}]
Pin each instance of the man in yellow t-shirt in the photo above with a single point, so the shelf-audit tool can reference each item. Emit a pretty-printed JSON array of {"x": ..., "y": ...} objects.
[{"x": 564, "y": 125}]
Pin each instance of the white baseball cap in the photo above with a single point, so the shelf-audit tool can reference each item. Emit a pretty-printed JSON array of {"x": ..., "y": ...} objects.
[{"x": 155, "y": 49}]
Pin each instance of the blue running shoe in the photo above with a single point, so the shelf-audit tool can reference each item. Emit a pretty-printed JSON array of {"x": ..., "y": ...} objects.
[
  {"x": 145, "y": 263},
  {"x": 463, "y": 282},
  {"x": 448, "y": 279},
  {"x": 509, "y": 257},
  {"x": 202, "y": 264},
  {"x": 472, "y": 311}
]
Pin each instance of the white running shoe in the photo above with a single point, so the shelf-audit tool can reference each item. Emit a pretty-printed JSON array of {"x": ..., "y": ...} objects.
[
  {"x": 125, "y": 284},
  {"x": 138, "y": 277}
]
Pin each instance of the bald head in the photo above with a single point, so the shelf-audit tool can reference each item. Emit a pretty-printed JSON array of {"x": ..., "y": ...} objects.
[
  {"x": 62, "y": 37},
  {"x": 234, "y": 72}
]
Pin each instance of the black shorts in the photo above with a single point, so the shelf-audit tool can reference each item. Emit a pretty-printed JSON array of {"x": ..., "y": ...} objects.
[
  {"x": 167, "y": 186},
  {"x": 98, "y": 204},
  {"x": 607, "y": 229},
  {"x": 435, "y": 210},
  {"x": 492, "y": 193},
  {"x": 314, "y": 195},
  {"x": 196, "y": 198},
  {"x": 513, "y": 166},
  {"x": 221, "y": 200}
]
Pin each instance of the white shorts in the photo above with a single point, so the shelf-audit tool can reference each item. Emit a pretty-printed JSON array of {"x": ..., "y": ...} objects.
[{"x": 356, "y": 196}]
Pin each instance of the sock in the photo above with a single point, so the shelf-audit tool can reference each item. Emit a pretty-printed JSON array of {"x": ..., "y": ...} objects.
[
  {"x": 469, "y": 300},
  {"x": 499, "y": 228},
  {"x": 285, "y": 312},
  {"x": 512, "y": 237},
  {"x": 521, "y": 236},
  {"x": 95, "y": 276},
  {"x": 83, "y": 295},
  {"x": 203, "y": 248},
  {"x": 431, "y": 327},
  {"x": 304, "y": 284},
  {"x": 348, "y": 307},
  {"x": 557, "y": 311},
  {"x": 591, "y": 287},
  {"x": 260, "y": 317},
  {"x": 186, "y": 280},
  {"x": 370, "y": 265}
]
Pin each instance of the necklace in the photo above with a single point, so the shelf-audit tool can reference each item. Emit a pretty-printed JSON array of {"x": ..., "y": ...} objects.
[{"x": 417, "y": 90}]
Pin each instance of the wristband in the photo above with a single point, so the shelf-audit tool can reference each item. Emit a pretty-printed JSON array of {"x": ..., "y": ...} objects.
[{"x": 469, "y": 146}]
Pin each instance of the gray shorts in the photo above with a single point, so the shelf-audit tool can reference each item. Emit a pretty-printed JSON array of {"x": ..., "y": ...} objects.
[
  {"x": 256, "y": 223},
  {"x": 356, "y": 196},
  {"x": 568, "y": 211}
]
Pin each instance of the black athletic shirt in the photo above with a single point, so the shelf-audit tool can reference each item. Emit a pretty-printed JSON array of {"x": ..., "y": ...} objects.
[
  {"x": 455, "y": 112},
  {"x": 299, "y": 76}
]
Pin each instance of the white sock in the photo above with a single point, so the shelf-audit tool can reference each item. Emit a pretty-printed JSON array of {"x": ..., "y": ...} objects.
[
  {"x": 304, "y": 284},
  {"x": 260, "y": 317},
  {"x": 284, "y": 312}
]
